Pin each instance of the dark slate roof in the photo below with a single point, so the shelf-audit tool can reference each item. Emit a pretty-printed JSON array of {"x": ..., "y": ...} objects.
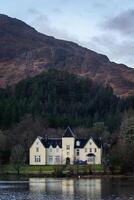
[
  {"x": 54, "y": 142},
  {"x": 79, "y": 143},
  {"x": 83, "y": 142},
  {"x": 98, "y": 142},
  {"x": 68, "y": 132}
]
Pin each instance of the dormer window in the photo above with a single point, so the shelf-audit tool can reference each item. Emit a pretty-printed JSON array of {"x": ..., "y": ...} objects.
[
  {"x": 78, "y": 143},
  {"x": 50, "y": 149},
  {"x": 57, "y": 149}
]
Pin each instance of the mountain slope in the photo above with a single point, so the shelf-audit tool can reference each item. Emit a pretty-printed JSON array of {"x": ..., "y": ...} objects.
[
  {"x": 25, "y": 52},
  {"x": 60, "y": 99}
]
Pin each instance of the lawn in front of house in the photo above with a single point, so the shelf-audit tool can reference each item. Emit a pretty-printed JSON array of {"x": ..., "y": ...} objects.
[{"x": 53, "y": 169}]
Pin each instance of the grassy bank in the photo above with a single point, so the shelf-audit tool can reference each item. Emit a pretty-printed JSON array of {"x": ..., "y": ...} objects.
[{"x": 57, "y": 170}]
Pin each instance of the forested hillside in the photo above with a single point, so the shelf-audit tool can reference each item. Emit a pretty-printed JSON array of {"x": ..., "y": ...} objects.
[{"x": 61, "y": 99}]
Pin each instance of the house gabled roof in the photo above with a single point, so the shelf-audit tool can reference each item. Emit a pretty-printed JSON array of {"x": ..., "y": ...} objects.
[
  {"x": 68, "y": 133},
  {"x": 79, "y": 143},
  {"x": 98, "y": 142},
  {"x": 83, "y": 142}
]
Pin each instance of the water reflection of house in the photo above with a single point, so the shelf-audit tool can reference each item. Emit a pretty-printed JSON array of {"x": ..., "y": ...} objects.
[
  {"x": 67, "y": 188},
  {"x": 67, "y": 149},
  {"x": 89, "y": 188},
  {"x": 64, "y": 186},
  {"x": 37, "y": 184}
]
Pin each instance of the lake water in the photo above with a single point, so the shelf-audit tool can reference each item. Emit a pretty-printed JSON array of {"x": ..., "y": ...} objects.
[{"x": 67, "y": 189}]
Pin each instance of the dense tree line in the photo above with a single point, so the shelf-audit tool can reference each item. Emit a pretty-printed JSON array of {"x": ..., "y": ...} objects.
[{"x": 61, "y": 99}]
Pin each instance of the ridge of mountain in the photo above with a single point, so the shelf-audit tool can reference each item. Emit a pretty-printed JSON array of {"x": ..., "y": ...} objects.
[{"x": 26, "y": 52}]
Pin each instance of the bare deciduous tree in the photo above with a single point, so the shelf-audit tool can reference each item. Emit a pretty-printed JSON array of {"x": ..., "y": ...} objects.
[{"x": 18, "y": 157}]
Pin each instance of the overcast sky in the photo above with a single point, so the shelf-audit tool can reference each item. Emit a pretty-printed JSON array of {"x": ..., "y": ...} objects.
[{"x": 105, "y": 26}]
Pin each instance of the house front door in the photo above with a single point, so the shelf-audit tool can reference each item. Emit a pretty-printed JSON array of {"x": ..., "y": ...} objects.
[{"x": 67, "y": 161}]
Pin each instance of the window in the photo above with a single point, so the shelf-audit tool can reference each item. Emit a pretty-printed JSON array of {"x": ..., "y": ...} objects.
[
  {"x": 57, "y": 159},
  {"x": 68, "y": 153},
  {"x": 37, "y": 149},
  {"x": 85, "y": 149},
  {"x": 37, "y": 143},
  {"x": 78, "y": 143},
  {"x": 68, "y": 147},
  {"x": 95, "y": 150},
  {"x": 50, "y": 159},
  {"x": 77, "y": 152},
  {"x": 90, "y": 150},
  {"x": 91, "y": 160},
  {"x": 90, "y": 143},
  {"x": 37, "y": 159}
]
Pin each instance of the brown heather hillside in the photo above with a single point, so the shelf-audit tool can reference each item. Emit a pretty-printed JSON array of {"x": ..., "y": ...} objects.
[{"x": 26, "y": 52}]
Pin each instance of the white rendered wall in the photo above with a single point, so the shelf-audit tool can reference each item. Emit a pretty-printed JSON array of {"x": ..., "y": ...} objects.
[
  {"x": 54, "y": 152},
  {"x": 68, "y": 153},
  {"x": 63, "y": 153},
  {"x": 42, "y": 153},
  {"x": 83, "y": 154}
]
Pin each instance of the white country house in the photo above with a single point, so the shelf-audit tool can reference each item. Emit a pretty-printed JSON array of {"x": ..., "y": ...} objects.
[{"x": 65, "y": 150}]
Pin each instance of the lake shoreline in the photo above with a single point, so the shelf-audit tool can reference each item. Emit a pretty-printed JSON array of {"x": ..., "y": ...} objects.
[
  {"x": 93, "y": 176},
  {"x": 73, "y": 171}
]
